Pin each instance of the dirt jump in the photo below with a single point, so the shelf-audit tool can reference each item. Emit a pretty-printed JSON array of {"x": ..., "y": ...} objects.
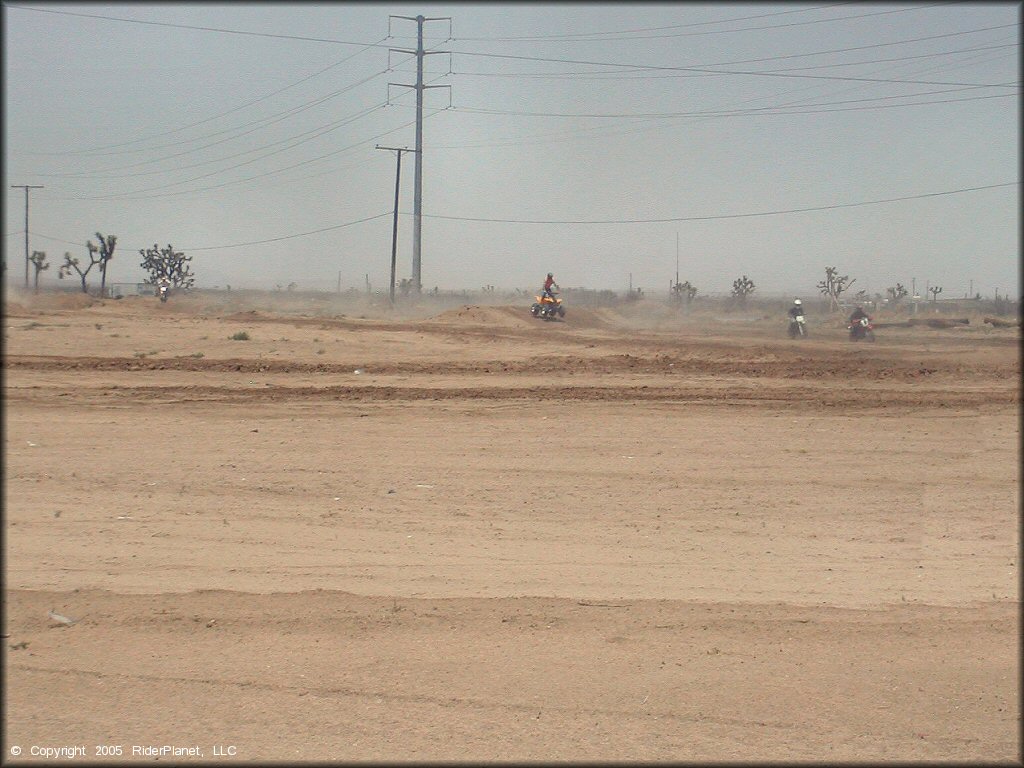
[{"x": 316, "y": 532}]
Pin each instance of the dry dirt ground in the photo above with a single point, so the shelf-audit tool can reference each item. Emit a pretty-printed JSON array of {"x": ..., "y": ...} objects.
[{"x": 471, "y": 535}]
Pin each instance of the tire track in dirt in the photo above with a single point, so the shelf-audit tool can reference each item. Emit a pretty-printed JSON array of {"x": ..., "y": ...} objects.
[
  {"x": 770, "y": 366},
  {"x": 783, "y": 397},
  {"x": 446, "y": 701}
]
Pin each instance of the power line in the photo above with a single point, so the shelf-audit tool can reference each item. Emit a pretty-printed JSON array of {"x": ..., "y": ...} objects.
[
  {"x": 898, "y": 58},
  {"x": 265, "y": 123},
  {"x": 634, "y": 73},
  {"x": 98, "y": 150},
  {"x": 135, "y": 196},
  {"x": 646, "y": 29},
  {"x": 576, "y": 133},
  {"x": 726, "y": 215},
  {"x": 322, "y": 132},
  {"x": 254, "y": 242},
  {"x": 507, "y": 56},
  {"x": 322, "y": 129},
  {"x": 749, "y": 112},
  {"x": 607, "y": 221},
  {"x": 752, "y": 73},
  {"x": 222, "y": 30},
  {"x": 292, "y": 237},
  {"x": 567, "y": 38},
  {"x": 56, "y": 239}
]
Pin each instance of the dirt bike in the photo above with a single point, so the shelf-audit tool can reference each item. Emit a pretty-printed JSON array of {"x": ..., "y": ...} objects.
[
  {"x": 162, "y": 291},
  {"x": 548, "y": 307},
  {"x": 797, "y": 327},
  {"x": 862, "y": 329}
]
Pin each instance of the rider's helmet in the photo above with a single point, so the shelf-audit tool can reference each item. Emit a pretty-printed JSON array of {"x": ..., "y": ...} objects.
[
  {"x": 550, "y": 274},
  {"x": 796, "y": 302}
]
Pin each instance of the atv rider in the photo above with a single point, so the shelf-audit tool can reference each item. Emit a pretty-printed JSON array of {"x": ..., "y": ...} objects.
[
  {"x": 797, "y": 310},
  {"x": 549, "y": 283}
]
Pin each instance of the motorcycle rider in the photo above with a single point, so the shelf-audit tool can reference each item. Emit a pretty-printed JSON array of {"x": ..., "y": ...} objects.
[
  {"x": 796, "y": 320},
  {"x": 858, "y": 315},
  {"x": 856, "y": 330},
  {"x": 549, "y": 283}
]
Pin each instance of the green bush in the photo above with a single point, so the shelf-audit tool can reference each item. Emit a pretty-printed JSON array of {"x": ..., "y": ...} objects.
[{"x": 240, "y": 336}]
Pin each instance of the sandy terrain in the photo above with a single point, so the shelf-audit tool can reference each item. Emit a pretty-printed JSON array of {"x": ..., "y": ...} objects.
[{"x": 469, "y": 535}]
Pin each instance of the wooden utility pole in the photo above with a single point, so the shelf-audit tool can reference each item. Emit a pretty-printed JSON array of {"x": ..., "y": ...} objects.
[
  {"x": 394, "y": 226},
  {"x": 26, "y": 187}
]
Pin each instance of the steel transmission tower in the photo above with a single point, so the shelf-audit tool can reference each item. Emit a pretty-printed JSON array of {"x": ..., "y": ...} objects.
[{"x": 418, "y": 181}]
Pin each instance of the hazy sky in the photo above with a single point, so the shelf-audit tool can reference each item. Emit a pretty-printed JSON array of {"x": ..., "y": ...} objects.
[{"x": 581, "y": 139}]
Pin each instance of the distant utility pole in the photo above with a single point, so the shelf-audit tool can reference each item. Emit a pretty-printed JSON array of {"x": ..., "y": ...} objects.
[
  {"x": 420, "y": 87},
  {"x": 394, "y": 226},
  {"x": 26, "y": 187}
]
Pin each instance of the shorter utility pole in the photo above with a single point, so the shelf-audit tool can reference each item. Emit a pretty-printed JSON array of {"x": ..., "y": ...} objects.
[
  {"x": 26, "y": 187},
  {"x": 394, "y": 226}
]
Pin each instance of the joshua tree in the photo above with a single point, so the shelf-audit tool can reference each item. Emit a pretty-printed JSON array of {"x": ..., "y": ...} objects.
[
  {"x": 38, "y": 259},
  {"x": 833, "y": 286},
  {"x": 166, "y": 262},
  {"x": 70, "y": 263},
  {"x": 107, "y": 245},
  {"x": 935, "y": 290},
  {"x": 742, "y": 287},
  {"x": 684, "y": 292},
  {"x": 897, "y": 292}
]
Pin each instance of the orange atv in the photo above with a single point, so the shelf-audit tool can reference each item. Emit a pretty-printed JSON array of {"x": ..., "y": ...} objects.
[{"x": 548, "y": 306}]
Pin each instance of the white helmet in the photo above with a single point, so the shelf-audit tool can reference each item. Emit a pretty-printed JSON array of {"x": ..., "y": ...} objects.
[{"x": 797, "y": 302}]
